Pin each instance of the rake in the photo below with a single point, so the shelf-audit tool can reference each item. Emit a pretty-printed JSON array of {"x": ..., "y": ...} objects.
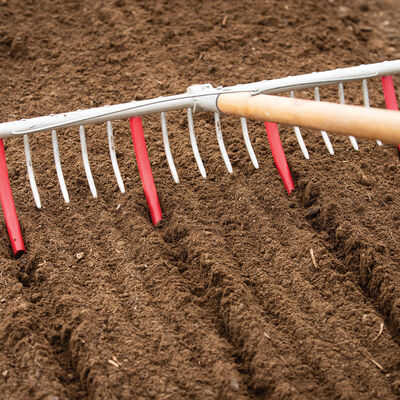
[{"x": 252, "y": 100}]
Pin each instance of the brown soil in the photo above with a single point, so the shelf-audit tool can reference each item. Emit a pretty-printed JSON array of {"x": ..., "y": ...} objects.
[{"x": 222, "y": 300}]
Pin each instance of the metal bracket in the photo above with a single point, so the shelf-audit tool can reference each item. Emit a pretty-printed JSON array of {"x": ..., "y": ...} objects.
[{"x": 204, "y": 97}]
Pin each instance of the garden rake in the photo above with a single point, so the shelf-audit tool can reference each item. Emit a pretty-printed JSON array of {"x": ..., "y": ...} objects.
[{"x": 252, "y": 100}]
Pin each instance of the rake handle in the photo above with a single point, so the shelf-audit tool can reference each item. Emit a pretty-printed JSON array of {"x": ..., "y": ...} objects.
[{"x": 362, "y": 122}]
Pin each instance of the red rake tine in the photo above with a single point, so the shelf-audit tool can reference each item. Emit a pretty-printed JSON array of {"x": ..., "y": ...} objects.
[
  {"x": 146, "y": 175},
  {"x": 279, "y": 155},
  {"x": 7, "y": 203},
  {"x": 390, "y": 94}
]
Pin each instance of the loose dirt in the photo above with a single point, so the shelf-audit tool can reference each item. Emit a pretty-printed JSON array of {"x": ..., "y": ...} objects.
[{"x": 222, "y": 300}]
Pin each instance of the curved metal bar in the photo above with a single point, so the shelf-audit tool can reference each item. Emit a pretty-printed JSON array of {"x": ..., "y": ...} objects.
[
  {"x": 321, "y": 78},
  {"x": 193, "y": 142},
  {"x": 85, "y": 159},
  {"x": 113, "y": 156},
  {"x": 221, "y": 143},
  {"x": 366, "y": 100},
  {"x": 299, "y": 137},
  {"x": 60, "y": 176},
  {"x": 343, "y": 101},
  {"x": 247, "y": 141},
  {"x": 189, "y": 100},
  {"x": 167, "y": 148},
  {"x": 325, "y": 136},
  {"x": 31, "y": 175}
]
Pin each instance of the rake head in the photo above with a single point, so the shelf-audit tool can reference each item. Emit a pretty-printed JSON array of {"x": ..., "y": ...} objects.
[{"x": 197, "y": 98}]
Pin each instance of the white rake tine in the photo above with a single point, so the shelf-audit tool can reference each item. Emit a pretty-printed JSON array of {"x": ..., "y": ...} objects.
[
  {"x": 31, "y": 175},
  {"x": 299, "y": 137},
  {"x": 328, "y": 143},
  {"x": 114, "y": 162},
  {"x": 60, "y": 176},
  {"x": 366, "y": 100},
  {"x": 85, "y": 159},
  {"x": 325, "y": 136},
  {"x": 343, "y": 101},
  {"x": 221, "y": 143},
  {"x": 248, "y": 143},
  {"x": 167, "y": 148},
  {"x": 193, "y": 142}
]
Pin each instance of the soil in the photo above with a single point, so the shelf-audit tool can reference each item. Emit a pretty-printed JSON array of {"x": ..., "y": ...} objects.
[{"x": 222, "y": 300}]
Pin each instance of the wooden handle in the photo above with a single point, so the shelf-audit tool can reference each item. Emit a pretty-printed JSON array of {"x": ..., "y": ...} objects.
[{"x": 369, "y": 123}]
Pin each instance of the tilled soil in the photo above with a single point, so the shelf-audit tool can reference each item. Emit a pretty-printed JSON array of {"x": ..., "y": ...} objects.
[{"x": 222, "y": 300}]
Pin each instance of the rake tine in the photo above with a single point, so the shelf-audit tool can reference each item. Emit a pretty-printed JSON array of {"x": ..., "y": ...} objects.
[
  {"x": 343, "y": 101},
  {"x": 279, "y": 155},
  {"x": 221, "y": 143},
  {"x": 31, "y": 175},
  {"x": 366, "y": 100},
  {"x": 56, "y": 151},
  {"x": 389, "y": 94},
  {"x": 143, "y": 163},
  {"x": 248, "y": 143},
  {"x": 167, "y": 148},
  {"x": 325, "y": 136},
  {"x": 113, "y": 156},
  {"x": 85, "y": 159},
  {"x": 194, "y": 143},
  {"x": 299, "y": 137},
  {"x": 8, "y": 206}
]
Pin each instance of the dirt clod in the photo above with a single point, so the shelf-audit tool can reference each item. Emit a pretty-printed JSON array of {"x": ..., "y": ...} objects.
[
  {"x": 312, "y": 211},
  {"x": 365, "y": 180},
  {"x": 234, "y": 384}
]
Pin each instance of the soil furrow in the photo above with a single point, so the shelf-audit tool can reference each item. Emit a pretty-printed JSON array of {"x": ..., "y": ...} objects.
[
  {"x": 223, "y": 299},
  {"x": 145, "y": 322},
  {"x": 31, "y": 344},
  {"x": 354, "y": 241},
  {"x": 212, "y": 279},
  {"x": 286, "y": 289},
  {"x": 283, "y": 297},
  {"x": 193, "y": 330},
  {"x": 243, "y": 324}
]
